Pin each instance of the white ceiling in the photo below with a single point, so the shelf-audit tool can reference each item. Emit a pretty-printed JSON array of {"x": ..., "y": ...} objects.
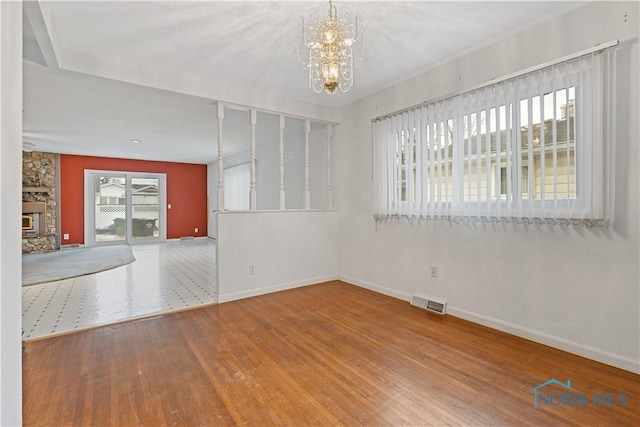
[{"x": 82, "y": 58}]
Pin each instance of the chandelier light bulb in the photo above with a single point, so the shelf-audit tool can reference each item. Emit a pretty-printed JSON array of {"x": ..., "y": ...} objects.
[
  {"x": 330, "y": 48},
  {"x": 329, "y": 36},
  {"x": 331, "y": 74}
]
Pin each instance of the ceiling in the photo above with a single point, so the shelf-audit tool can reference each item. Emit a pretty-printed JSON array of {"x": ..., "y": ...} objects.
[{"x": 98, "y": 74}]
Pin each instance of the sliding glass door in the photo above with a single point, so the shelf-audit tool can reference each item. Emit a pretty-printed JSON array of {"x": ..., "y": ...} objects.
[
  {"x": 110, "y": 208},
  {"x": 124, "y": 207},
  {"x": 145, "y": 208}
]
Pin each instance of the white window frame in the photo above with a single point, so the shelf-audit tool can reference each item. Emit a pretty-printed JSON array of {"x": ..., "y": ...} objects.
[{"x": 585, "y": 72}]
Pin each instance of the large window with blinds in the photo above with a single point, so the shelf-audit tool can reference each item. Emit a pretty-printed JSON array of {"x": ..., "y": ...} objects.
[{"x": 529, "y": 148}]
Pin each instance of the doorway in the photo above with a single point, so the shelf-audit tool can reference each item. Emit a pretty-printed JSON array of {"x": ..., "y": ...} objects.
[{"x": 124, "y": 207}]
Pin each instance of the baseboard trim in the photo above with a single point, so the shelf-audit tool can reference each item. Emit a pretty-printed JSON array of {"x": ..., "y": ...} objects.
[
  {"x": 550, "y": 340},
  {"x": 71, "y": 246},
  {"x": 222, "y": 298},
  {"x": 540, "y": 337},
  {"x": 183, "y": 238},
  {"x": 379, "y": 289}
]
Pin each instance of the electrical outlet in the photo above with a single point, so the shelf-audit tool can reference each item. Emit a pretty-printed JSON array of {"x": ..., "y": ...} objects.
[
  {"x": 434, "y": 271},
  {"x": 66, "y": 236},
  {"x": 196, "y": 229},
  {"x": 169, "y": 206},
  {"x": 252, "y": 269}
]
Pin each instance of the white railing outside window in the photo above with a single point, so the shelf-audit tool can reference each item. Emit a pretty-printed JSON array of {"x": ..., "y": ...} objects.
[{"x": 528, "y": 149}]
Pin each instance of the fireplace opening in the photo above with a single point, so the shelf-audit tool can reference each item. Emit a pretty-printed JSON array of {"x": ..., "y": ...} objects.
[
  {"x": 27, "y": 222},
  {"x": 31, "y": 224},
  {"x": 33, "y": 218}
]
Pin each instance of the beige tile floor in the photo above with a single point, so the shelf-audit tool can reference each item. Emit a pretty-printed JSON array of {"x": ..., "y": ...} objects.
[{"x": 165, "y": 277}]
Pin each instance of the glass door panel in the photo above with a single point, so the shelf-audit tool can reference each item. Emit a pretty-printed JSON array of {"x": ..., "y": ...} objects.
[
  {"x": 124, "y": 207},
  {"x": 145, "y": 208},
  {"x": 110, "y": 213}
]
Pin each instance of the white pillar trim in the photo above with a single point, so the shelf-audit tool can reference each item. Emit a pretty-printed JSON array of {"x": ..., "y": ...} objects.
[
  {"x": 252, "y": 161},
  {"x": 220, "y": 158},
  {"x": 282, "y": 193},
  {"x": 10, "y": 210},
  {"x": 307, "y": 193},
  {"x": 329, "y": 189}
]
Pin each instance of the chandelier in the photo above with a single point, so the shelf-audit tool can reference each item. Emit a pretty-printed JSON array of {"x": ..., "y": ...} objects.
[{"x": 330, "y": 48}]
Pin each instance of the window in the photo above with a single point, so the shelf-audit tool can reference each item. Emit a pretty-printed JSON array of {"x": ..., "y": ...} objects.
[
  {"x": 527, "y": 148},
  {"x": 111, "y": 200},
  {"x": 524, "y": 181}
]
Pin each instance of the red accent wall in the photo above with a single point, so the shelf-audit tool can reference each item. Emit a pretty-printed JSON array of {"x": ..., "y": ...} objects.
[{"x": 186, "y": 192}]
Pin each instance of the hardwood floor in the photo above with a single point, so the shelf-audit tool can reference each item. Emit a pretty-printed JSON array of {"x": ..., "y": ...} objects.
[{"x": 327, "y": 354}]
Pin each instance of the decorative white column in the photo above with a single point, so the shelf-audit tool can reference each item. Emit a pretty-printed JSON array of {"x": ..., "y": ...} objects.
[
  {"x": 252, "y": 164},
  {"x": 220, "y": 158},
  {"x": 329, "y": 193},
  {"x": 10, "y": 210},
  {"x": 307, "y": 193},
  {"x": 282, "y": 194}
]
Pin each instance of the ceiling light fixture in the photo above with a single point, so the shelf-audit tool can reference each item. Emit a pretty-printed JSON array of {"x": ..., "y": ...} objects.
[
  {"x": 135, "y": 141},
  {"x": 330, "y": 48}
]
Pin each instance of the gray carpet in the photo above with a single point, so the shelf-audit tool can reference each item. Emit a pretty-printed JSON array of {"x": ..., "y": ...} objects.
[{"x": 40, "y": 268}]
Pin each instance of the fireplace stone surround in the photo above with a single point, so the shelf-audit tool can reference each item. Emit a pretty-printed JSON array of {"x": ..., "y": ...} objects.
[{"x": 38, "y": 192}]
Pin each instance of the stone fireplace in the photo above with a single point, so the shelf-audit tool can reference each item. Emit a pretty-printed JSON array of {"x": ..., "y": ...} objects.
[
  {"x": 34, "y": 218},
  {"x": 38, "y": 202}
]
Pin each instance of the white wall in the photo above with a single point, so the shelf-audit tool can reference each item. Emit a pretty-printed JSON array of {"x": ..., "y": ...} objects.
[
  {"x": 573, "y": 288},
  {"x": 288, "y": 249},
  {"x": 318, "y": 166},
  {"x": 10, "y": 206},
  {"x": 268, "y": 175},
  {"x": 294, "y": 163},
  {"x": 268, "y": 169}
]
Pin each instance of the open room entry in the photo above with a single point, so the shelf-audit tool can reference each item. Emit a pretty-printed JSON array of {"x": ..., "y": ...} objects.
[
  {"x": 124, "y": 207},
  {"x": 270, "y": 191}
]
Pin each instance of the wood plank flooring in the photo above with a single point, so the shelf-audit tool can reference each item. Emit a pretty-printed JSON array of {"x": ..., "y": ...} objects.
[{"x": 329, "y": 354}]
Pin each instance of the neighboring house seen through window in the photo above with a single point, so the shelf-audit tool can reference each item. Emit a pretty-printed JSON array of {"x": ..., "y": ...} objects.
[{"x": 530, "y": 147}]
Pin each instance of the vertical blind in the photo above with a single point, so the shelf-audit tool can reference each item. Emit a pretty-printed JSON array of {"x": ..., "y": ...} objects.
[{"x": 528, "y": 149}]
